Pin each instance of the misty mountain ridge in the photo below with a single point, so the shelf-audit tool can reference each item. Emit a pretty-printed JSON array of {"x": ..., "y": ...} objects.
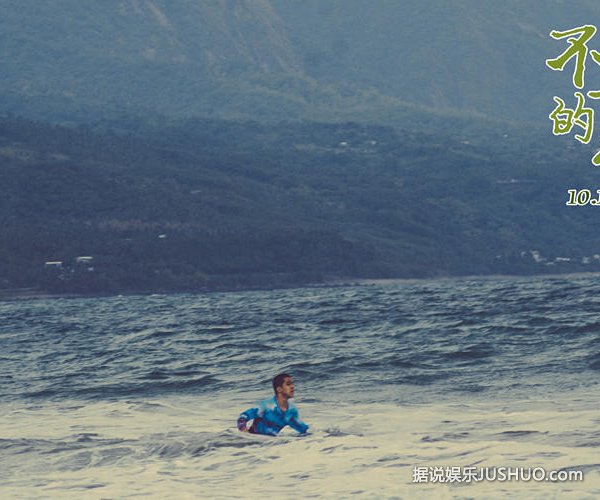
[
  {"x": 225, "y": 144},
  {"x": 266, "y": 60}
]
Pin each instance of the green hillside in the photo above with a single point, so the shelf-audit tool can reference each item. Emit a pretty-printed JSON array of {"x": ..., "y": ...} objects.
[
  {"x": 210, "y": 204},
  {"x": 197, "y": 145},
  {"x": 335, "y": 61}
]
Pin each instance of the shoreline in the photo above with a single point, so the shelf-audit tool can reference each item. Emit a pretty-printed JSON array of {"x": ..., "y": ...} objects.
[{"x": 18, "y": 294}]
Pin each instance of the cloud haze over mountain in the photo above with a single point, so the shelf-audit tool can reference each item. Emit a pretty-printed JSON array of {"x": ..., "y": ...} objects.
[{"x": 339, "y": 59}]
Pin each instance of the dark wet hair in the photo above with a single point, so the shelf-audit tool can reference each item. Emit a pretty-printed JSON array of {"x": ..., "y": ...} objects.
[{"x": 279, "y": 379}]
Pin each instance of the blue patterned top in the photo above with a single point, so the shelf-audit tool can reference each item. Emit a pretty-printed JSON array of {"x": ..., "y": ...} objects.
[{"x": 269, "y": 419}]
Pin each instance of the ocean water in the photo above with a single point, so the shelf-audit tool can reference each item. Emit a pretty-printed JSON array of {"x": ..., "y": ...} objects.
[{"x": 137, "y": 396}]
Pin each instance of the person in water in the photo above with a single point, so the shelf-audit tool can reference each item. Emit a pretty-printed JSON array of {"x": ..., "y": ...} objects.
[{"x": 273, "y": 414}]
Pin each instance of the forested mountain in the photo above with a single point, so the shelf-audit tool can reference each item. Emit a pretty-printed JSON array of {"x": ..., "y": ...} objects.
[
  {"x": 205, "y": 204},
  {"x": 336, "y": 60},
  {"x": 473, "y": 56},
  {"x": 199, "y": 144}
]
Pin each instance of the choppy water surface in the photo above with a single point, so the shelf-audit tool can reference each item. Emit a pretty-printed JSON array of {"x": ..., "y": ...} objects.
[{"x": 122, "y": 396}]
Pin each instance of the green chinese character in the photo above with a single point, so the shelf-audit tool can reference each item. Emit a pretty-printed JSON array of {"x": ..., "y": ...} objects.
[
  {"x": 577, "y": 49},
  {"x": 564, "y": 118}
]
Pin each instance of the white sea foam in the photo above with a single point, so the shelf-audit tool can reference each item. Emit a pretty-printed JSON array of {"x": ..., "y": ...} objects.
[{"x": 187, "y": 447}]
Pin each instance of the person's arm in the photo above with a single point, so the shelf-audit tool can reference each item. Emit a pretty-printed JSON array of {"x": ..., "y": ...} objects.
[
  {"x": 250, "y": 414},
  {"x": 297, "y": 424},
  {"x": 244, "y": 417}
]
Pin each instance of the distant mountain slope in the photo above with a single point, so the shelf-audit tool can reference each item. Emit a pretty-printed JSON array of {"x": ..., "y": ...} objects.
[
  {"x": 148, "y": 55},
  {"x": 334, "y": 60},
  {"x": 207, "y": 204},
  {"x": 469, "y": 55}
]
